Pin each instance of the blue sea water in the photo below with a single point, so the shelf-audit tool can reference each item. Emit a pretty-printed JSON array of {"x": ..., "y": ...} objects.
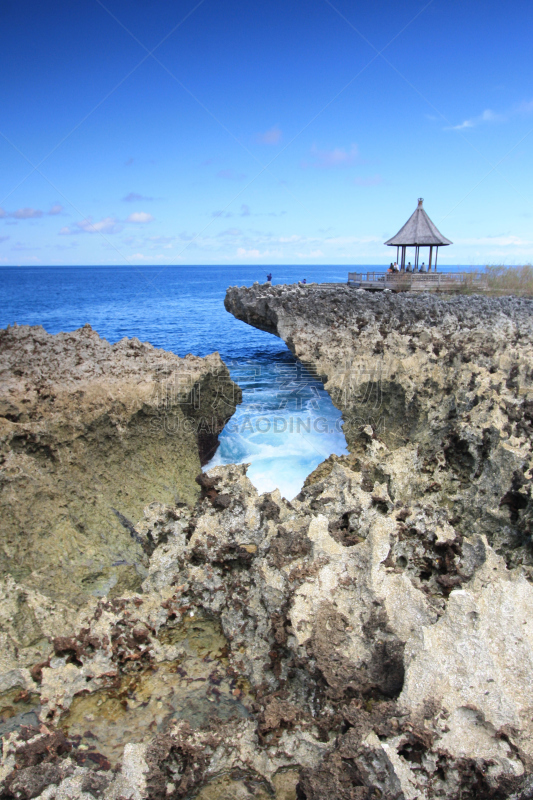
[{"x": 286, "y": 424}]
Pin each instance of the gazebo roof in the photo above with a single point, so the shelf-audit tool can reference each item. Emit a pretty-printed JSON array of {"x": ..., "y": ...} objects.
[{"x": 419, "y": 230}]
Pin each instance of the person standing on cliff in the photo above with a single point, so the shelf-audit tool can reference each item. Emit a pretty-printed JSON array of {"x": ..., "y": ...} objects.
[{"x": 269, "y": 277}]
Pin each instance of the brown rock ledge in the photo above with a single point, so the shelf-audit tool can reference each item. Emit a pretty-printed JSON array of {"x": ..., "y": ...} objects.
[{"x": 89, "y": 433}]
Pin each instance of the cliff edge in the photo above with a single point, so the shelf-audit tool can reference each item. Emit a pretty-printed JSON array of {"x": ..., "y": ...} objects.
[{"x": 445, "y": 383}]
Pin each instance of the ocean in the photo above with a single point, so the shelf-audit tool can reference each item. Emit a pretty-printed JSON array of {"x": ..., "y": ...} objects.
[{"x": 286, "y": 424}]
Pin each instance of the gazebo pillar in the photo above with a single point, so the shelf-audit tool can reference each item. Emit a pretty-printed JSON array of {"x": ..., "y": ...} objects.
[{"x": 430, "y": 257}]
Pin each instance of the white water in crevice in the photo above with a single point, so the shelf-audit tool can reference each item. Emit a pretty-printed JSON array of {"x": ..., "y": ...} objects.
[{"x": 284, "y": 428}]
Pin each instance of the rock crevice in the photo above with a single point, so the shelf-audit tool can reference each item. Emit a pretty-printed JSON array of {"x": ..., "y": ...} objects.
[{"x": 445, "y": 382}]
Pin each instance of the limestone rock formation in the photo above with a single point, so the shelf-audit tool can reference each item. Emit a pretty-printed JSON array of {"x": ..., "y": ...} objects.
[
  {"x": 372, "y": 638},
  {"x": 89, "y": 434},
  {"x": 444, "y": 382},
  {"x": 340, "y": 646}
]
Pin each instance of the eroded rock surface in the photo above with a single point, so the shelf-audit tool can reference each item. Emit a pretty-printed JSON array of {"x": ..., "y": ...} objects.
[
  {"x": 444, "y": 381},
  {"x": 370, "y": 639},
  {"x": 345, "y": 645},
  {"x": 89, "y": 433}
]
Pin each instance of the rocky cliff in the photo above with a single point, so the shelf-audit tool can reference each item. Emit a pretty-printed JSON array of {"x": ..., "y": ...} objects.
[
  {"x": 372, "y": 638},
  {"x": 89, "y": 434},
  {"x": 444, "y": 382}
]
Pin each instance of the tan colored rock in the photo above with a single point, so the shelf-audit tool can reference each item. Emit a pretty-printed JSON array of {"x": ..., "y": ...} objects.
[
  {"x": 367, "y": 646},
  {"x": 371, "y": 638},
  {"x": 89, "y": 433}
]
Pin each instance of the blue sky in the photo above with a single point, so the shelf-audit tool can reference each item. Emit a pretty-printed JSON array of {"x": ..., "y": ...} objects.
[{"x": 238, "y": 132}]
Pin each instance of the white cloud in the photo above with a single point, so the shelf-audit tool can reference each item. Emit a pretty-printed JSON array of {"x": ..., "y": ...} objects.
[
  {"x": 311, "y": 254},
  {"x": 231, "y": 232},
  {"x": 242, "y": 252},
  {"x": 27, "y": 213},
  {"x": 288, "y": 239},
  {"x": 331, "y": 159},
  {"x": 140, "y": 216},
  {"x": 142, "y": 257},
  {"x": 30, "y": 213},
  {"x": 247, "y": 212},
  {"x": 272, "y": 136},
  {"x": 521, "y": 109},
  {"x": 486, "y": 116},
  {"x": 107, "y": 225}
]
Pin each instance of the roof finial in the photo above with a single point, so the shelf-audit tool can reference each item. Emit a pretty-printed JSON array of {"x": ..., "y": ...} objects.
[{"x": 420, "y": 202}]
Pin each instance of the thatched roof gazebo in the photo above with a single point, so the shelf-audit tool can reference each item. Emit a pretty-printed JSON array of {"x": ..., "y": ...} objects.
[{"x": 419, "y": 231}]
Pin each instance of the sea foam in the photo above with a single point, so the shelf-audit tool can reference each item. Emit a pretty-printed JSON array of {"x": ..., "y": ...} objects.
[{"x": 284, "y": 428}]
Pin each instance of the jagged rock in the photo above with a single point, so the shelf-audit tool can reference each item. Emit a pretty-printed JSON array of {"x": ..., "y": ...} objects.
[
  {"x": 444, "y": 382},
  {"x": 89, "y": 433},
  {"x": 370, "y": 639},
  {"x": 393, "y": 659}
]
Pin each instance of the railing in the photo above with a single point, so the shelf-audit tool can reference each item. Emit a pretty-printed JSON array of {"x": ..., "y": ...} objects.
[{"x": 414, "y": 281}]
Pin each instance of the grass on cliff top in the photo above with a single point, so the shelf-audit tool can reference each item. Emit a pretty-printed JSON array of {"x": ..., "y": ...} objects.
[{"x": 500, "y": 280}]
